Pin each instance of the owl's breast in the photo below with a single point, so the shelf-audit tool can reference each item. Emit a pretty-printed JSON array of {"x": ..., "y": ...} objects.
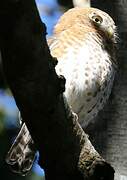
[{"x": 89, "y": 75}]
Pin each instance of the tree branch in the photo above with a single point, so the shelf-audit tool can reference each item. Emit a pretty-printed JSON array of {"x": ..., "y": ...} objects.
[
  {"x": 81, "y": 3},
  {"x": 65, "y": 151}
]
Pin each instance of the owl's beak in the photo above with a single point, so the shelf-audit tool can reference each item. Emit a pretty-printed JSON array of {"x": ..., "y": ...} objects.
[{"x": 110, "y": 32}]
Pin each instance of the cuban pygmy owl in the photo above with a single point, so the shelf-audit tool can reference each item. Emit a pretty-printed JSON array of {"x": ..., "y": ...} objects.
[{"x": 84, "y": 42}]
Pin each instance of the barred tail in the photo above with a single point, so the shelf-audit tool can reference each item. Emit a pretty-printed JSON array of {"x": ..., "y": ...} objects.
[{"x": 22, "y": 152}]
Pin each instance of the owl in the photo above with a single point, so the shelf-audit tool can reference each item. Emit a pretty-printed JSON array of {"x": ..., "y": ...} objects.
[{"x": 84, "y": 42}]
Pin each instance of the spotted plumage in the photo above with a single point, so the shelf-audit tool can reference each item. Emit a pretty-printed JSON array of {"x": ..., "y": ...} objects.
[
  {"x": 85, "y": 52},
  {"x": 84, "y": 43},
  {"x": 22, "y": 152}
]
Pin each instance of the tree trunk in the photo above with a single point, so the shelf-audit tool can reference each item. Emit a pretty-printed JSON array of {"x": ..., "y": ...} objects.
[{"x": 110, "y": 131}]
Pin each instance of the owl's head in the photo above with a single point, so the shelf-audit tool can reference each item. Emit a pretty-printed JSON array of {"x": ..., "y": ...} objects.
[
  {"x": 103, "y": 23},
  {"x": 91, "y": 19}
]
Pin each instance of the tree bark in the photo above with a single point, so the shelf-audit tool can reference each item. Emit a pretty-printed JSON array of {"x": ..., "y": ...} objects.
[
  {"x": 110, "y": 132},
  {"x": 65, "y": 151}
]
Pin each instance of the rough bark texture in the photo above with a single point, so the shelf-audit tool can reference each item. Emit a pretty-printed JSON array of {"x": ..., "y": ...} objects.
[
  {"x": 66, "y": 153},
  {"x": 110, "y": 130}
]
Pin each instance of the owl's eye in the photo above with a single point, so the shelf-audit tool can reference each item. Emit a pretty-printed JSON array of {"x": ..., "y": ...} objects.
[{"x": 97, "y": 19}]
